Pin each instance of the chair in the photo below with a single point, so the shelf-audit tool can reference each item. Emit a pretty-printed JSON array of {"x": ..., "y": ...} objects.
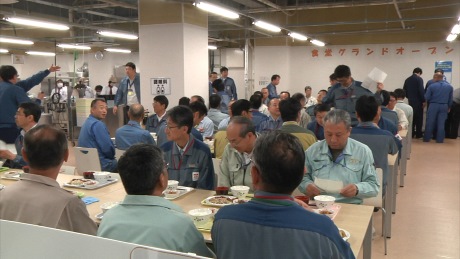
[
  {"x": 378, "y": 201},
  {"x": 119, "y": 153},
  {"x": 86, "y": 159},
  {"x": 216, "y": 163}
]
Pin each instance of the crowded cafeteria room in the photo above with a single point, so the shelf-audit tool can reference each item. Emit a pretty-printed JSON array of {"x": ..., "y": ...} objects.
[{"x": 229, "y": 129}]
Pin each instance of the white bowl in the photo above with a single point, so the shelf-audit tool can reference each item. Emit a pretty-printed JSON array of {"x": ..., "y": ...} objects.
[
  {"x": 200, "y": 216},
  {"x": 324, "y": 201},
  {"x": 239, "y": 191},
  {"x": 172, "y": 185},
  {"x": 108, "y": 205}
]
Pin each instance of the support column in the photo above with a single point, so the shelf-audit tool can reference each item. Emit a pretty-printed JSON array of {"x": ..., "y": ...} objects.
[{"x": 173, "y": 43}]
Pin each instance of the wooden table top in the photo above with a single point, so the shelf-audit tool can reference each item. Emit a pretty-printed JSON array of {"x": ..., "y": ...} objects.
[{"x": 353, "y": 218}]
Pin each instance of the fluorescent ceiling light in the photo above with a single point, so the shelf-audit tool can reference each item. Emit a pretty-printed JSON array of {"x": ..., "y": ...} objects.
[
  {"x": 3, "y": 51},
  {"x": 214, "y": 9},
  {"x": 455, "y": 29},
  {"x": 118, "y": 50},
  {"x": 267, "y": 26},
  {"x": 37, "y": 23},
  {"x": 15, "y": 41},
  {"x": 118, "y": 35},
  {"x": 451, "y": 37},
  {"x": 73, "y": 46},
  {"x": 318, "y": 43},
  {"x": 298, "y": 36},
  {"x": 39, "y": 53},
  {"x": 212, "y": 47}
]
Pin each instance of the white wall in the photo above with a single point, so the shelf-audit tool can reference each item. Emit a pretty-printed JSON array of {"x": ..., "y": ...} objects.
[{"x": 298, "y": 68}]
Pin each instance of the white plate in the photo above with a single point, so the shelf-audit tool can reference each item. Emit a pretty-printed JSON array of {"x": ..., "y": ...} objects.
[
  {"x": 12, "y": 175},
  {"x": 347, "y": 234},
  {"x": 182, "y": 191},
  {"x": 100, "y": 216},
  {"x": 334, "y": 209},
  {"x": 209, "y": 201}
]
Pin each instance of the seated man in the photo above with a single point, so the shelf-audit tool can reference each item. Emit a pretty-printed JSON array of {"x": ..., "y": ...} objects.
[
  {"x": 272, "y": 224},
  {"x": 38, "y": 198},
  {"x": 403, "y": 122},
  {"x": 290, "y": 114},
  {"x": 257, "y": 116},
  {"x": 27, "y": 117},
  {"x": 155, "y": 121},
  {"x": 132, "y": 133},
  {"x": 144, "y": 217},
  {"x": 214, "y": 112},
  {"x": 236, "y": 161},
  {"x": 381, "y": 142},
  {"x": 189, "y": 160},
  {"x": 386, "y": 112},
  {"x": 341, "y": 159},
  {"x": 94, "y": 134},
  {"x": 274, "y": 121},
  {"x": 316, "y": 126},
  {"x": 201, "y": 122},
  {"x": 304, "y": 117},
  {"x": 238, "y": 108}
]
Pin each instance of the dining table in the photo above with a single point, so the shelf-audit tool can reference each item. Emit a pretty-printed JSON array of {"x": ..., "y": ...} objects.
[{"x": 356, "y": 219}]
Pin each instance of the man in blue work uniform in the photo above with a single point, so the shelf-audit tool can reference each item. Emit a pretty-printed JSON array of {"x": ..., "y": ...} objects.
[
  {"x": 344, "y": 94},
  {"x": 230, "y": 87},
  {"x": 439, "y": 95},
  {"x": 189, "y": 160},
  {"x": 129, "y": 90},
  {"x": 272, "y": 92},
  {"x": 413, "y": 86}
]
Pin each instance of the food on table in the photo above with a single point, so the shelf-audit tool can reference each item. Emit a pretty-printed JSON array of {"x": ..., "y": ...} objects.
[
  {"x": 221, "y": 200},
  {"x": 82, "y": 182},
  {"x": 342, "y": 233},
  {"x": 326, "y": 212}
]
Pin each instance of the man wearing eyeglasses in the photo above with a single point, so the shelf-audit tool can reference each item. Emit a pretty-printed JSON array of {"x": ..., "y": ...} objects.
[
  {"x": 344, "y": 94},
  {"x": 339, "y": 166},
  {"x": 189, "y": 159},
  {"x": 236, "y": 160}
]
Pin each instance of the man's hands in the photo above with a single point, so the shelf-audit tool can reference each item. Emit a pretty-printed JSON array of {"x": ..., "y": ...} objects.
[
  {"x": 54, "y": 68},
  {"x": 6, "y": 154},
  {"x": 312, "y": 190},
  {"x": 115, "y": 108},
  {"x": 349, "y": 190}
]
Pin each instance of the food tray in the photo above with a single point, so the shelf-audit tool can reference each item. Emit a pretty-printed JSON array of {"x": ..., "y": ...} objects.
[
  {"x": 12, "y": 175},
  {"x": 182, "y": 191},
  {"x": 92, "y": 187},
  {"x": 230, "y": 199}
]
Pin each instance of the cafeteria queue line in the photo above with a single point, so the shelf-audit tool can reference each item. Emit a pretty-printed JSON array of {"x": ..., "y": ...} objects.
[{"x": 255, "y": 161}]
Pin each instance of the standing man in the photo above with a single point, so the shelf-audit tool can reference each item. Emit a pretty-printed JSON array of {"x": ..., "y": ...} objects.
[
  {"x": 344, "y": 94},
  {"x": 439, "y": 95},
  {"x": 272, "y": 224},
  {"x": 26, "y": 118},
  {"x": 310, "y": 100},
  {"x": 129, "y": 90},
  {"x": 265, "y": 98},
  {"x": 272, "y": 92},
  {"x": 230, "y": 87},
  {"x": 94, "y": 134},
  {"x": 110, "y": 89},
  {"x": 219, "y": 89},
  {"x": 212, "y": 78},
  {"x": 38, "y": 198},
  {"x": 236, "y": 161},
  {"x": 189, "y": 160},
  {"x": 155, "y": 121},
  {"x": 13, "y": 93},
  {"x": 341, "y": 159},
  {"x": 60, "y": 91},
  {"x": 413, "y": 86},
  {"x": 132, "y": 133}
]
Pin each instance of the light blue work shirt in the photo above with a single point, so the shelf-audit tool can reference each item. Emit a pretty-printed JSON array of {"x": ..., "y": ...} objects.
[
  {"x": 130, "y": 134},
  {"x": 153, "y": 221},
  {"x": 354, "y": 166}
]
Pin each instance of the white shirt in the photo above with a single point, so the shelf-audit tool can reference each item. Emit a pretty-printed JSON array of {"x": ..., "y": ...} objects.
[
  {"x": 264, "y": 109},
  {"x": 310, "y": 101},
  {"x": 62, "y": 91},
  {"x": 106, "y": 90},
  {"x": 403, "y": 122},
  {"x": 132, "y": 96}
]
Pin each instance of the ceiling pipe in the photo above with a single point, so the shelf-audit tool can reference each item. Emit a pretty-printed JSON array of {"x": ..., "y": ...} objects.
[
  {"x": 120, "y": 4},
  {"x": 328, "y": 5},
  {"x": 399, "y": 14},
  {"x": 276, "y": 7}
]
